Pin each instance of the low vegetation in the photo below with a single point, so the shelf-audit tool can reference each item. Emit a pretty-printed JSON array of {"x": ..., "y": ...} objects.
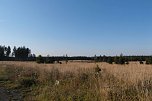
[{"x": 83, "y": 84}]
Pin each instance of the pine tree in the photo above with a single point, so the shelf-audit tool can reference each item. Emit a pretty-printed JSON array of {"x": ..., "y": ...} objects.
[
  {"x": 110, "y": 60},
  {"x": 95, "y": 58},
  {"x": 121, "y": 59},
  {"x": 116, "y": 60},
  {"x": 39, "y": 59},
  {"x": 8, "y": 51}
]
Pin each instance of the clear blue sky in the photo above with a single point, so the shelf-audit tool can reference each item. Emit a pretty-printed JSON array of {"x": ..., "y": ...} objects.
[{"x": 78, "y": 27}]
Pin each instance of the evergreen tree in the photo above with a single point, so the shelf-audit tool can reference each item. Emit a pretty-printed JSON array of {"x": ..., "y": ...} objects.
[
  {"x": 104, "y": 58},
  {"x": 8, "y": 51},
  {"x": 116, "y": 60},
  {"x": 66, "y": 58},
  {"x": 21, "y": 53},
  {"x": 39, "y": 59},
  {"x": 110, "y": 60},
  {"x": 95, "y": 58},
  {"x": 100, "y": 58},
  {"x": 2, "y": 52},
  {"x": 121, "y": 59}
]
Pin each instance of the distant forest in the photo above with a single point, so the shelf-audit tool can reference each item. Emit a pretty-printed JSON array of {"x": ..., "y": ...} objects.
[{"x": 25, "y": 54}]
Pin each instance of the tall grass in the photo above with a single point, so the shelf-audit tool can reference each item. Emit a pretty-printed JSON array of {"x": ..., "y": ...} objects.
[{"x": 100, "y": 82}]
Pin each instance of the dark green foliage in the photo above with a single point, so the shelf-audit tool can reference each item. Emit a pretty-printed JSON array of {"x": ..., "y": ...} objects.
[
  {"x": 52, "y": 61},
  {"x": 47, "y": 60},
  {"x": 149, "y": 60},
  {"x": 24, "y": 54},
  {"x": 8, "y": 51},
  {"x": 100, "y": 58},
  {"x": 126, "y": 60},
  {"x": 66, "y": 58},
  {"x": 116, "y": 60},
  {"x": 110, "y": 60},
  {"x": 4, "y": 52},
  {"x": 120, "y": 60},
  {"x": 95, "y": 58},
  {"x": 39, "y": 59},
  {"x": 104, "y": 58},
  {"x": 21, "y": 53}
]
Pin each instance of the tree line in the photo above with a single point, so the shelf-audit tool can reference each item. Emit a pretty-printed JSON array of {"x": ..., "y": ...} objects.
[
  {"x": 4, "y": 52},
  {"x": 123, "y": 59},
  {"x": 24, "y": 54},
  {"x": 17, "y": 53}
]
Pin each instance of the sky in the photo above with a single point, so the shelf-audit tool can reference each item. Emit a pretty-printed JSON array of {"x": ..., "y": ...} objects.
[{"x": 78, "y": 27}]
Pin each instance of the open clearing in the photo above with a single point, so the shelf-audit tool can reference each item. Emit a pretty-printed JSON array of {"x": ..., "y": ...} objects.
[
  {"x": 78, "y": 80},
  {"x": 132, "y": 72}
]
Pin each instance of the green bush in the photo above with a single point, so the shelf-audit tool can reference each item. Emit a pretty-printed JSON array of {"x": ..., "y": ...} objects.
[
  {"x": 120, "y": 60},
  {"x": 39, "y": 59},
  {"x": 149, "y": 60},
  {"x": 110, "y": 60}
]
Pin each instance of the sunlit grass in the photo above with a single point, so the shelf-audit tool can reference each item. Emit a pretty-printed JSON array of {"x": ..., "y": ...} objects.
[{"x": 79, "y": 81}]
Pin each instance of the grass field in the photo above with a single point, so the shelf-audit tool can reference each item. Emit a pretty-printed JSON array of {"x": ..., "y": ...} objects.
[{"x": 78, "y": 81}]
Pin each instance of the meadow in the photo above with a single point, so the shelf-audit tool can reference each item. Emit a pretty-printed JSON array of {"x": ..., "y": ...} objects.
[{"x": 78, "y": 81}]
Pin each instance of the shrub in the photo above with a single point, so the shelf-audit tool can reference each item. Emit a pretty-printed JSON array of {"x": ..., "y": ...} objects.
[
  {"x": 120, "y": 60},
  {"x": 110, "y": 60},
  {"x": 27, "y": 82},
  {"x": 116, "y": 60},
  {"x": 149, "y": 60},
  {"x": 39, "y": 59}
]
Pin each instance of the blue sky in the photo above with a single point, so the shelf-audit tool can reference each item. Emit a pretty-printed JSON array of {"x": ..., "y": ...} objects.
[{"x": 78, "y": 27}]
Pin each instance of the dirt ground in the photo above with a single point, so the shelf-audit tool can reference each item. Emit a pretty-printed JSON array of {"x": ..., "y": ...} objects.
[{"x": 9, "y": 95}]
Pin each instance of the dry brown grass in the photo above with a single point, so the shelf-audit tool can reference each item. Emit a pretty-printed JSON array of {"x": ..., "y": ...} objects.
[
  {"x": 131, "y": 73},
  {"x": 72, "y": 66},
  {"x": 115, "y": 83}
]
